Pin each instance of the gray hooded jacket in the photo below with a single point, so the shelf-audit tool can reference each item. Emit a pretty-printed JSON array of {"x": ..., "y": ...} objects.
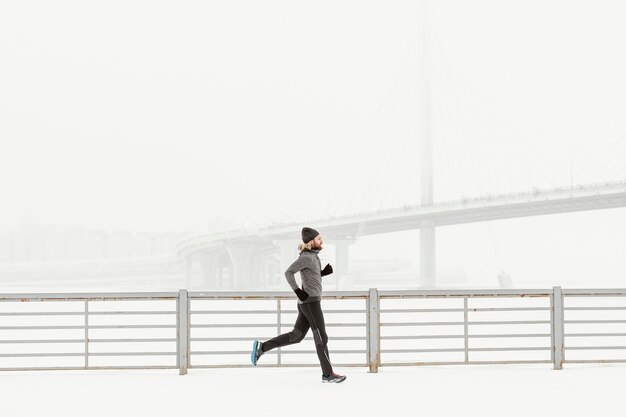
[{"x": 310, "y": 268}]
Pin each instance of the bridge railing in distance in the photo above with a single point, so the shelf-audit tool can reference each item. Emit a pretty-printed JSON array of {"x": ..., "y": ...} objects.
[{"x": 182, "y": 330}]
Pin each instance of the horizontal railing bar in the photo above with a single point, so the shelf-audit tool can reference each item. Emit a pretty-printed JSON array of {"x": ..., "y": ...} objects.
[
  {"x": 438, "y": 336},
  {"x": 595, "y": 347},
  {"x": 82, "y": 313},
  {"x": 271, "y": 295},
  {"x": 457, "y": 323},
  {"x": 328, "y": 311},
  {"x": 470, "y": 336},
  {"x": 133, "y": 367},
  {"x": 132, "y": 326},
  {"x": 82, "y": 368},
  {"x": 421, "y": 350},
  {"x": 454, "y": 310},
  {"x": 83, "y": 340},
  {"x": 53, "y": 354},
  {"x": 268, "y": 311},
  {"x": 420, "y": 310},
  {"x": 337, "y": 325},
  {"x": 233, "y": 312},
  {"x": 107, "y": 313},
  {"x": 464, "y": 363},
  {"x": 44, "y": 341},
  {"x": 495, "y": 336},
  {"x": 595, "y": 308},
  {"x": 426, "y": 323},
  {"x": 502, "y": 349},
  {"x": 105, "y": 296},
  {"x": 45, "y": 313},
  {"x": 245, "y": 339},
  {"x": 594, "y": 334},
  {"x": 289, "y": 294},
  {"x": 284, "y": 352},
  {"x": 611, "y": 292},
  {"x": 592, "y": 321},
  {"x": 508, "y": 309},
  {"x": 463, "y": 293},
  {"x": 226, "y": 325},
  {"x": 509, "y": 349},
  {"x": 282, "y": 365},
  {"x": 41, "y": 327},
  {"x": 131, "y": 353},
  {"x": 103, "y": 326},
  {"x": 509, "y": 322},
  {"x": 288, "y": 352},
  {"x": 594, "y": 361},
  {"x": 31, "y": 355},
  {"x": 227, "y": 339},
  {"x": 131, "y": 340}
]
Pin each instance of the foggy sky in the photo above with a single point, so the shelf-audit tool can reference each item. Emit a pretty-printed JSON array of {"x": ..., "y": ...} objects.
[{"x": 148, "y": 115}]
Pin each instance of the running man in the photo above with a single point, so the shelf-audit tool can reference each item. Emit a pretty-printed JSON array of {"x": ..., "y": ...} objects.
[{"x": 309, "y": 305}]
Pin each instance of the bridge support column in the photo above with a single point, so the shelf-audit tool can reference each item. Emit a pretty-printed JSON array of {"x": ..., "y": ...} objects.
[
  {"x": 249, "y": 262},
  {"x": 427, "y": 231},
  {"x": 342, "y": 261},
  {"x": 241, "y": 256},
  {"x": 188, "y": 266},
  {"x": 208, "y": 262},
  {"x": 428, "y": 271},
  {"x": 288, "y": 253}
]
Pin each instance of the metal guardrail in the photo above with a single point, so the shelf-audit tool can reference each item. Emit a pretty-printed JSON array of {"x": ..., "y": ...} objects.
[
  {"x": 81, "y": 309},
  {"x": 384, "y": 328},
  {"x": 279, "y": 324},
  {"x": 463, "y": 324},
  {"x": 588, "y": 327}
]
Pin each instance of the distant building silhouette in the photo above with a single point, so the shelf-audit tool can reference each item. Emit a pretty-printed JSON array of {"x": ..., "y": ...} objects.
[{"x": 46, "y": 243}]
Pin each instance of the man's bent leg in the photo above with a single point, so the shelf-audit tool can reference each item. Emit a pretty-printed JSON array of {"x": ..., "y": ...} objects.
[{"x": 300, "y": 329}]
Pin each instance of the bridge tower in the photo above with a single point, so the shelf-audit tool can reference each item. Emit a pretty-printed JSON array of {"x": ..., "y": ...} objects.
[{"x": 427, "y": 277}]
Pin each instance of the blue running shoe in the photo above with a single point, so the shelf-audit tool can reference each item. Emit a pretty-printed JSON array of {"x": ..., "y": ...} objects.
[{"x": 257, "y": 351}]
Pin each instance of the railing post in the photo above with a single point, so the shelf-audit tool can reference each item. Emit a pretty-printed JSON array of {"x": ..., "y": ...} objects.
[
  {"x": 465, "y": 330},
  {"x": 86, "y": 334},
  {"x": 557, "y": 327},
  {"x": 278, "y": 329},
  {"x": 373, "y": 330},
  {"x": 182, "y": 335}
]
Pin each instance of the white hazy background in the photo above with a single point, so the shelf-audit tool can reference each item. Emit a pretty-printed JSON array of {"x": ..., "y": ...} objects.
[
  {"x": 154, "y": 116},
  {"x": 162, "y": 116}
]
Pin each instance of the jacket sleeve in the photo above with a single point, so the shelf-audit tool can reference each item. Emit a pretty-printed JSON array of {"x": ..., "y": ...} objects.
[{"x": 296, "y": 266}]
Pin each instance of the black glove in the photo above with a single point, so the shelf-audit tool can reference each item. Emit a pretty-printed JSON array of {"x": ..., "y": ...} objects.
[
  {"x": 327, "y": 270},
  {"x": 302, "y": 295}
]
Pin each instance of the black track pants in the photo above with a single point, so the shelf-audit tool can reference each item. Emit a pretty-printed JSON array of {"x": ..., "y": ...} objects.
[{"x": 309, "y": 316}]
